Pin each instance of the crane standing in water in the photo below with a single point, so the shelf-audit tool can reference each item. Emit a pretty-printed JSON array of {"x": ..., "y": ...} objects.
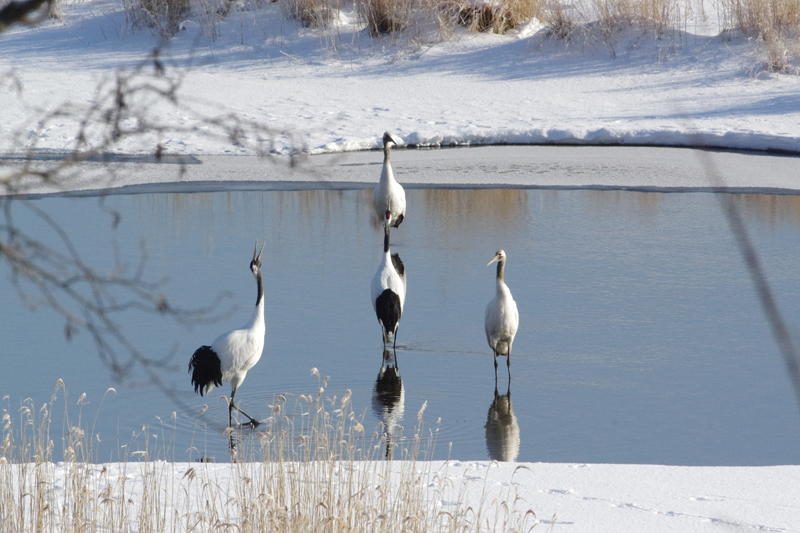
[
  {"x": 389, "y": 195},
  {"x": 388, "y": 292},
  {"x": 502, "y": 318},
  {"x": 234, "y": 353}
]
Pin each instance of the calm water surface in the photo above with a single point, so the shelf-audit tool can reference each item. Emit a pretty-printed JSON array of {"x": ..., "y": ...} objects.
[{"x": 641, "y": 339}]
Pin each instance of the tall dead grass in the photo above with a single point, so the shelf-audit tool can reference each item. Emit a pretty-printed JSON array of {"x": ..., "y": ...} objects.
[
  {"x": 164, "y": 15},
  {"x": 495, "y": 17},
  {"x": 318, "y": 470},
  {"x": 384, "y": 16},
  {"x": 603, "y": 19},
  {"x": 312, "y": 13},
  {"x": 773, "y": 23}
]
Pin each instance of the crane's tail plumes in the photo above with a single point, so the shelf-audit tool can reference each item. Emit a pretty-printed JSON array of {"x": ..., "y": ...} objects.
[
  {"x": 388, "y": 308},
  {"x": 502, "y": 348},
  {"x": 206, "y": 370}
]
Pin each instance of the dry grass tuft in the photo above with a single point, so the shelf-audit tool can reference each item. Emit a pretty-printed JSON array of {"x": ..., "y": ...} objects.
[
  {"x": 496, "y": 17},
  {"x": 163, "y": 15},
  {"x": 773, "y": 23},
  {"x": 312, "y": 470},
  {"x": 311, "y": 13},
  {"x": 384, "y": 16}
]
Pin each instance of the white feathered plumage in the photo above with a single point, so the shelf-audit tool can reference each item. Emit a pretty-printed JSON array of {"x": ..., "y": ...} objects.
[
  {"x": 231, "y": 355},
  {"x": 389, "y": 195},
  {"x": 502, "y": 318}
]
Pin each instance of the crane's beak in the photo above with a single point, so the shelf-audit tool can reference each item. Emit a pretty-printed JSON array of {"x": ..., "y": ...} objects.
[
  {"x": 494, "y": 260},
  {"x": 258, "y": 257}
]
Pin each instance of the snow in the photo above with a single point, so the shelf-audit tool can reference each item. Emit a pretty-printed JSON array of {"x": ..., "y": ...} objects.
[
  {"x": 687, "y": 89},
  {"x": 564, "y": 497},
  {"x": 338, "y": 91}
]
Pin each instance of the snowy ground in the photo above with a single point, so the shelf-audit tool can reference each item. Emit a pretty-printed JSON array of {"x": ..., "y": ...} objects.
[
  {"x": 692, "y": 88},
  {"x": 565, "y": 497},
  {"x": 689, "y": 89}
]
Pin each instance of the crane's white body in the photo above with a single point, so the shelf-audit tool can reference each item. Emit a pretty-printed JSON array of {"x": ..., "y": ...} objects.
[
  {"x": 389, "y": 195},
  {"x": 388, "y": 291},
  {"x": 502, "y": 318},
  {"x": 387, "y": 278},
  {"x": 239, "y": 350},
  {"x": 234, "y": 353}
]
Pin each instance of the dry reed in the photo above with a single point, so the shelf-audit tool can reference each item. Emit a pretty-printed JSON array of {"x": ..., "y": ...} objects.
[
  {"x": 311, "y": 13},
  {"x": 313, "y": 471},
  {"x": 773, "y": 23}
]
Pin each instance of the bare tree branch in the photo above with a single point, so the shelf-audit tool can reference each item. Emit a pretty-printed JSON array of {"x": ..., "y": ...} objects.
[{"x": 48, "y": 270}]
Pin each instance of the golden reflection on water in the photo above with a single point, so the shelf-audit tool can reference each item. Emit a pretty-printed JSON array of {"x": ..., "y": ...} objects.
[
  {"x": 771, "y": 209},
  {"x": 446, "y": 207},
  {"x": 768, "y": 209},
  {"x": 459, "y": 207}
]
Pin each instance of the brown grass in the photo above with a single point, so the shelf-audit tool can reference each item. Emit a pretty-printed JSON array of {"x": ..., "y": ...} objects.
[
  {"x": 384, "y": 16},
  {"x": 311, "y": 13},
  {"x": 316, "y": 470},
  {"x": 163, "y": 15},
  {"x": 496, "y": 18},
  {"x": 773, "y": 23}
]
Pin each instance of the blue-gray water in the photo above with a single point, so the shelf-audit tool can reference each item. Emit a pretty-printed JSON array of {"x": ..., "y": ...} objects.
[{"x": 641, "y": 339}]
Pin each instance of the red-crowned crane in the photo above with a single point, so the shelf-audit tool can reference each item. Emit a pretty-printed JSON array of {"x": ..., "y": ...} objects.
[
  {"x": 234, "y": 353},
  {"x": 388, "y": 292},
  {"x": 389, "y": 195},
  {"x": 502, "y": 317}
]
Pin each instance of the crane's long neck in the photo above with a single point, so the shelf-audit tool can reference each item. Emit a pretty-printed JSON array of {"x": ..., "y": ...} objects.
[
  {"x": 501, "y": 265},
  {"x": 386, "y": 242},
  {"x": 387, "y": 176},
  {"x": 258, "y": 313},
  {"x": 386, "y": 153}
]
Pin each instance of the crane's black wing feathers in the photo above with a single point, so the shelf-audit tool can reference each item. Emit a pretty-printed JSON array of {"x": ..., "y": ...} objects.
[
  {"x": 205, "y": 368},
  {"x": 387, "y": 307}
]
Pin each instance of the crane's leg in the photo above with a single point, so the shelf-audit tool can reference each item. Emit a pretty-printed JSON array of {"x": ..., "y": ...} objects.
[
  {"x": 232, "y": 406},
  {"x": 495, "y": 365},
  {"x": 230, "y": 409},
  {"x": 508, "y": 364},
  {"x": 394, "y": 350}
]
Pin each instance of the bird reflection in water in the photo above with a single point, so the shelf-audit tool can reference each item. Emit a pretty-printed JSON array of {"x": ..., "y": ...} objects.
[
  {"x": 502, "y": 430},
  {"x": 388, "y": 401}
]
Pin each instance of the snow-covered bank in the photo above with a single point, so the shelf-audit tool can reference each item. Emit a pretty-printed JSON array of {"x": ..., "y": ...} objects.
[
  {"x": 562, "y": 167},
  {"x": 685, "y": 89},
  {"x": 574, "y": 498}
]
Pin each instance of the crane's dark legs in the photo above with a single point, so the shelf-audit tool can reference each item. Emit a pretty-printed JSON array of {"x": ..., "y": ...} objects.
[
  {"x": 232, "y": 406},
  {"x": 495, "y": 366},
  {"x": 394, "y": 350},
  {"x": 508, "y": 364}
]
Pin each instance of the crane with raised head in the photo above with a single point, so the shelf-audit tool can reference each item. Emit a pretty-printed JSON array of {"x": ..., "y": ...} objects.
[{"x": 230, "y": 356}]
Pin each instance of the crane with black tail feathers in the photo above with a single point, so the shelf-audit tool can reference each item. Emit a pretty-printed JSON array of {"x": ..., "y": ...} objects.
[
  {"x": 389, "y": 195},
  {"x": 502, "y": 318},
  {"x": 234, "y": 353},
  {"x": 388, "y": 293}
]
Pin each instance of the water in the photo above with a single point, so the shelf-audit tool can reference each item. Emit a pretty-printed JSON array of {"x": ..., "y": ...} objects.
[{"x": 641, "y": 339}]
